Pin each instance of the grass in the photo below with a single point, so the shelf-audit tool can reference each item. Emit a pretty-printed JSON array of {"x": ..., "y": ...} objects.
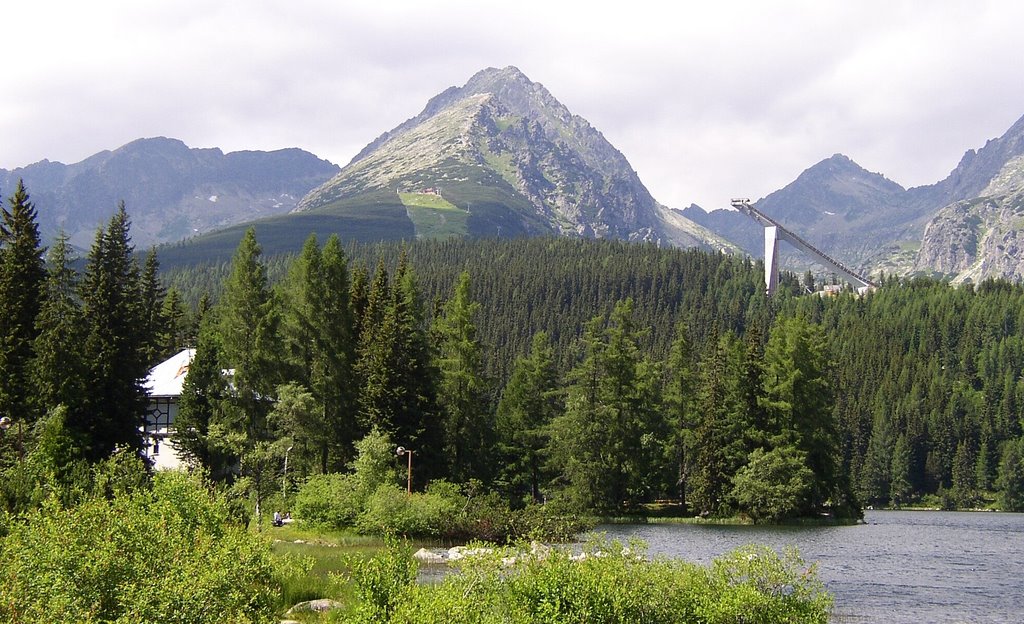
[
  {"x": 330, "y": 554},
  {"x": 433, "y": 216}
]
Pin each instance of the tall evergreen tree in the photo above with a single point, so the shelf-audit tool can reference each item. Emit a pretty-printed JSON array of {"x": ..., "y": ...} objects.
[
  {"x": 248, "y": 322},
  {"x": 176, "y": 334},
  {"x": 376, "y": 363},
  {"x": 799, "y": 401},
  {"x": 206, "y": 435},
  {"x": 115, "y": 345},
  {"x": 680, "y": 402},
  {"x": 321, "y": 345},
  {"x": 22, "y": 274},
  {"x": 900, "y": 488},
  {"x": 718, "y": 444},
  {"x": 530, "y": 401},
  {"x": 462, "y": 389},
  {"x": 335, "y": 377},
  {"x": 58, "y": 371},
  {"x": 417, "y": 417},
  {"x": 1011, "y": 476},
  {"x": 151, "y": 304},
  {"x": 605, "y": 446}
]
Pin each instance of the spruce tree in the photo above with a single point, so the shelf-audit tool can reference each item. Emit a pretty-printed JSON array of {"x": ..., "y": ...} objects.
[
  {"x": 151, "y": 309},
  {"x": 58, "y": 371},
  {"x": 462, "y": 389},
  {"x": 176, "y": 329},
  {"x": 799, "y": 400},
  {"x": 335, "y": 378},
  {"x": 115, "y": 348},
  {"x": 248, "y": 323},
  {"x": 417, "y": 417},
  {"x": 530, "y": 402},
  {"x": 606, "y": 445},
  {"x": 22, "y": 274},
  {"x": 321, "y": 346},
  {"x": 204, "y": 434}
]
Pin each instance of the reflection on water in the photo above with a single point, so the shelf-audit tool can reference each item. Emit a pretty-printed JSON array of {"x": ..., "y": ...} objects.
[{"x": 899, "y": 566}]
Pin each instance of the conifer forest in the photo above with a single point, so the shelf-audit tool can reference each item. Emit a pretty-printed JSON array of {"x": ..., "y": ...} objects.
[{"x": 599, "y": 375}]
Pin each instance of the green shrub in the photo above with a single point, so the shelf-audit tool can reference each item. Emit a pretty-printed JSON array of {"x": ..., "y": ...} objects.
[
  {"x": 330, "y": 501},
  {"x": 160, "y": 555},
  {"x": 613, "y": 584},
  {"x": 392, "y": 511},
  {"x": 382, "y": 581}
]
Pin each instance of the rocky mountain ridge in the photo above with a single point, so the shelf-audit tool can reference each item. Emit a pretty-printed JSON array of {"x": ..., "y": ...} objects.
[
  {"x": 171, "y": 191},
  {"x": 875, "y": 225}
]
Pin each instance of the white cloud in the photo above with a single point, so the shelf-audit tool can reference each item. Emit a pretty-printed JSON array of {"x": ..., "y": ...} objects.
[{"x": 706, "y": 100}]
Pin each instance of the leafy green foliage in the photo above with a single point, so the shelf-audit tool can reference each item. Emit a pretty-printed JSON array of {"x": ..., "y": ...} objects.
[
  {"x": 165, "y": 554},
  {"x": 773, "y": 485},
  {"x": 609, "y": 584},
  {"x": 381, "y": 581}
]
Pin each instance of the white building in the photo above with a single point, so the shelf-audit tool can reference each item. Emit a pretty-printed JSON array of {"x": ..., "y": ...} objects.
[{"x": 164, "y": 385}]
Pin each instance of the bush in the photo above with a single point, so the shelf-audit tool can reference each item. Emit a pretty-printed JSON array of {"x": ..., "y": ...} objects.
[
  {"x": 161, "y": 555},
  {"x": 392, "y": 511},
  {"x": 612, "y": 584},
  {"x": 330, "y": 501},
  {"x": 382, "y": 581}
]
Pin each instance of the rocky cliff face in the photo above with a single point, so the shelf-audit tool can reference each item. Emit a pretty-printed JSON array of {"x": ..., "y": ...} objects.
[
  {"x": 982, "y": 237},
  {"x": 964, "y": 226},
  {"x": 170, "y": 190},
  {"x": 505, "y": 142}
]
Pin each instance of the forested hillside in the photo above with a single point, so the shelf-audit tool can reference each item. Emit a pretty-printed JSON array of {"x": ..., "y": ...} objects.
[
  {"x": 596, "y": 375},
  {"x": 926, "y": 377}
]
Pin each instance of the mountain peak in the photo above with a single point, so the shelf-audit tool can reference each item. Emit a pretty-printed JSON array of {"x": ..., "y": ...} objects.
[
  {"x": 512, "y": 160},
  {"x": 494, "y": 75}
]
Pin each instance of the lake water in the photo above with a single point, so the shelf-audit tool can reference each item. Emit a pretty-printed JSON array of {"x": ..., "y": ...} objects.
[{"x": 899, "y": 566}]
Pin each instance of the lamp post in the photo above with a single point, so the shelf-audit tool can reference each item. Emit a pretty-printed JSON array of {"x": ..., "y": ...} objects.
[
  {"x": 284, "y": 477},
  {"x": 404, "y": 451}
]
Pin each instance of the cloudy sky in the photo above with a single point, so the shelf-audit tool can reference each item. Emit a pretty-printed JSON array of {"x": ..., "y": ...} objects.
[{"x": 707, "y": 100}]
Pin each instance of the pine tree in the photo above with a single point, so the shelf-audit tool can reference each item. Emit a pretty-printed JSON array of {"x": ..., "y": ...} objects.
[
  {"x": 151, "y": 304},
  {"x": 376, "y": 363},
  {"x": 115, "y": 345},
  {"x": 176, "y": 330},
  {"x": 58, "y": 371},
  {"x": 900, "y": 489},
  {"x": 964, "y": 492},
  {"x": 1010, "y": 482},
  {"x": 717, "y": 445},
  {"x": 248, "y": 326},
  {"x": 680, "y": 402},
  {"x": 462, "y": 390},
  {"x": 530, "y": 401},
  {"x": 417, "y": 417},
  {"x": 335, "y": 378},
  {"x": 205, "y": 436},
  {"x": 799, "y": 401},
  {"x": 606, "y": 445},
  {"x": 22, "y": 274},
  {"x": 321, "y": 346}
]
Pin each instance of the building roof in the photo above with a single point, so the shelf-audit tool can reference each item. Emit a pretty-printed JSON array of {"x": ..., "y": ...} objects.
[{"x": 167, "y": 378}]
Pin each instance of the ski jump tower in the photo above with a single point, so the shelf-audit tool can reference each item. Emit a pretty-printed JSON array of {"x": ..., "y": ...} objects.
[{"x": 773, "y": 231}]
